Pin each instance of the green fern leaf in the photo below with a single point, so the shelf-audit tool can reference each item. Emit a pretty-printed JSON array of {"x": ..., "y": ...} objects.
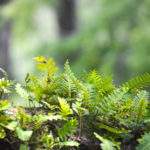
[
  {"x": 47, "y": 66},
  {"x": 94, "y": 78},
  {"x": 71, "y": 75},
  {"x": 137, "y": 83},
  {"x": 65, "y": 109},
  {"x": 22, "y": 92},
  {"x": 144, "y": 142},
  {"x": 112, "y": 103},
  {"x": 67, "y": 143},
  {"x": 112, "y": 130},
  {"x": 140, "y": 104},
  {"x": 5, "y": 73},
  {"x": 68, "y": 129},
  {"x": 106, "y": 144}
]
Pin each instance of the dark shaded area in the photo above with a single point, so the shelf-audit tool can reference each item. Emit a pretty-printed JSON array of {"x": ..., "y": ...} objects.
[
  {"x": 66, "y": 17},
  {"x": 3, "y": 2},
  {"x": 5, "y": 145},
  {"x": 5, "y": 31},
  {"x": 86, "y": 144}
]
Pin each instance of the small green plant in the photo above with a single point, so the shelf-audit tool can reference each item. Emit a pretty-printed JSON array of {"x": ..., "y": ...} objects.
[{"x": 62, "y": 109}]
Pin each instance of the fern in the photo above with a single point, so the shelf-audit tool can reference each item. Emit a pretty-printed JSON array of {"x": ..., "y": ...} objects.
[
  {"x": 106, "y": 88},
  {"x": 47, "y": 66},
  {"x": 68, "y": 129},
  {"x": 94, "y": 78},
  {"x": 85, "y": 94},
  {"x": 144, "y": 142},
  {"x": 140, "y": 104},
  {"x": 106, "y": 144},
  {"x": 22, "y": 92},
  {"x": 5, "y": 73},
  {"x": 103, "y": 86},
  {"x": 112, "y": 103},
  {"x": 4, "y": 86},
  {"x": 137, "y": 83},
  {"x": 97, "y": 89},
  {"x": 24, "y": 119},
  {"x": 71, "y": 75},
  {"x": 65, "y": 109},
  {"x": 66, "y": 143},
  {"x": 110, "y": 129},
  {"x": 57, "y": 86}
]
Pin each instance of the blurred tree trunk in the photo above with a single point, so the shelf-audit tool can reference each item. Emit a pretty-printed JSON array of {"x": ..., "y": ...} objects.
[
  {"x": 66, "y": 17},
  {"x": 3, "y": 2},
  {"x": 5, "y": 30},
  {"x": 4, "y": 45}
]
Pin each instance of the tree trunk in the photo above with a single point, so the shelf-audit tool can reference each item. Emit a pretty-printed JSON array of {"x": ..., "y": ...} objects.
[
  {"x": 5, "y": 31},
  {"x": 66, "y": 17},
  {"x": 3, "y": 2}
]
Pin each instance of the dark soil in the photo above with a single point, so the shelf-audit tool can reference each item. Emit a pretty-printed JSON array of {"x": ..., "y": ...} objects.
[
  {"x": 84, "y": 145},
  {"x": 5, "y": 145}
]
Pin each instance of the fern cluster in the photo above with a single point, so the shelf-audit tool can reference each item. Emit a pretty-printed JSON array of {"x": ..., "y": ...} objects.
[{"x": 63, "y": 106}]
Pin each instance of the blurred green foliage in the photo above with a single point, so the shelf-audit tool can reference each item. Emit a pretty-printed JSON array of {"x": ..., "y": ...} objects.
[{"x": 112, "y": 37}]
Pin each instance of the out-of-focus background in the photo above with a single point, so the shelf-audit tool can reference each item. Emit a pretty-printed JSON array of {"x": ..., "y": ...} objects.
[{"x": 111, "y": 36}]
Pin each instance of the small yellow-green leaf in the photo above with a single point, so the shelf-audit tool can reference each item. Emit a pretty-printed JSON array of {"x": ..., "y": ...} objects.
[
  {"x": 2, "y": 133},
  {"x": 12, "y": 125},
  {"x": 65, "y": 108},
  {"x": 23, "y": 147},
  {"x": 23, "y": 135},
  {"x": 4, "y": 105},
  {"x": 40, "y": 58}
]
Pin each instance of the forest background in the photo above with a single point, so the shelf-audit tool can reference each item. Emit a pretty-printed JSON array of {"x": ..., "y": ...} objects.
[{"x": 111, "y": 36}]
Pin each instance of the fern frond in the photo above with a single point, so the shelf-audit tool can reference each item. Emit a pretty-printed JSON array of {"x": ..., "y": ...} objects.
[
  {"x": 65, "y": 109},
  {"x": 23, "y": 118},
  {"x": 110, "y": 129},
  {"x": 112, "y": 103},
  {"x": 94, "y": 78},
  {"x": 22, "y": 92},
  {"x": 106, "y": 87},
  {"x": 71, "y": 75},
  {"x": 144, "y": 142},
  {"x": 57, "y": 84},
  {"x": 4, "y": 86},
  {"x": 68, "y": 129},
  {"x": 98, "y": 88},
  {"x": 66, "y": 143},
  {"x": 86, "y": 95},
  {"x": 5, "y": 73},
  {"x": 47, "y": 66},
  {"x": 137, "y": 83},
  {"x": 140, "y": 104},
  {"x": 106, "y": 144},
  {"x": 37, "y": 121},
  {"x": 51, "y": 117}
]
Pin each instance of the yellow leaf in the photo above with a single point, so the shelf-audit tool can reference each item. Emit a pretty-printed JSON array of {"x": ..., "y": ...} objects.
[
  {"x": 53, "y": 70},
  {"x": 40, "y": 58},
  {"x": 44, "y": 79}
]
